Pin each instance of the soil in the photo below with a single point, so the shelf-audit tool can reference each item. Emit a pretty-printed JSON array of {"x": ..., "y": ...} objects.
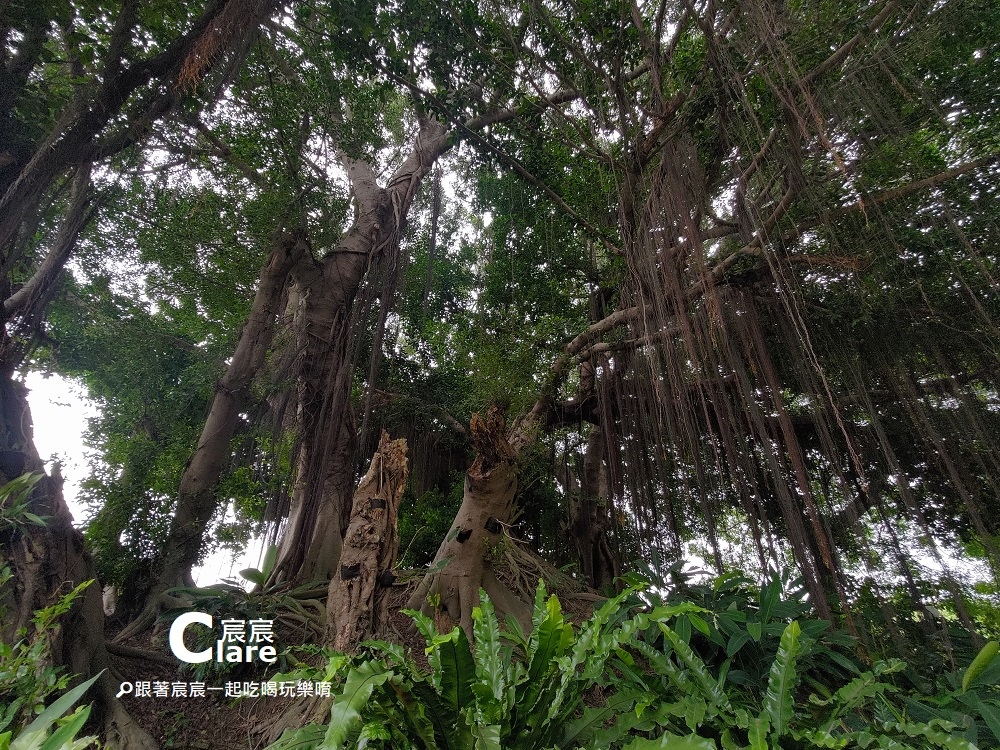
[{"x": 217, "y": 722}]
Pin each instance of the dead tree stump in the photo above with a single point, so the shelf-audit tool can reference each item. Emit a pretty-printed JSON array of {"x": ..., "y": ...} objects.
[{"x": 357, "y": 605}]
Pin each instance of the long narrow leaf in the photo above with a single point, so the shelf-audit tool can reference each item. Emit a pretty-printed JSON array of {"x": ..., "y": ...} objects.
[
  {"x": 345, "y": 714},
  {"x": 492, "y": 668},
  {"x": 580, "y": 731},
  {"x": 672, "y": 742},
  {"x": 711, "y": 689},
  {"x": 758, "y": 733},
  {"x": 303, "y": 738},
  {"x": 65, "y": 736},
  {"x": 59, "y": 707},
  {"x": 458, "y": 669},
  {"x": 778, "y": 702}
]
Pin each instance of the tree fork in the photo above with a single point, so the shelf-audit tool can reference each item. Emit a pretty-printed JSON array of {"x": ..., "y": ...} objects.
[{"x": 310, "y": 547}]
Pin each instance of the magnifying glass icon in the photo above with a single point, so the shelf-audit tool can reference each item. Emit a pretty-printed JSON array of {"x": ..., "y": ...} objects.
[{"x": 124, "y": 689}]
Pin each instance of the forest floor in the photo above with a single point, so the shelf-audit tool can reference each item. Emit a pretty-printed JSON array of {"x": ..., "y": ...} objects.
[{"x": 216, "y": 721}]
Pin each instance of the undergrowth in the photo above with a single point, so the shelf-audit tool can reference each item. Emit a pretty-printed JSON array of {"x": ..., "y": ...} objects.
[{"x": 751, "y": 670}]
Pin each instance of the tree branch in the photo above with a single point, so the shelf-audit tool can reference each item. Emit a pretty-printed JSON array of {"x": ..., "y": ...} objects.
[{"x": 30, "y": 300}]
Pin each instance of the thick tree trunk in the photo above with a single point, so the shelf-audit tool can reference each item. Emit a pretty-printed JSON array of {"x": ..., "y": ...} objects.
[
  {"x": 196, "y": 497},
  {"x": 310, "y": 546},
  {"x": 49, "y": 561},
  {"x": 320, "y": 503},
  {"x": 590, "y": 516},
  {"x": 487, "y": 506},
  {"x": 357, "y": 605}
]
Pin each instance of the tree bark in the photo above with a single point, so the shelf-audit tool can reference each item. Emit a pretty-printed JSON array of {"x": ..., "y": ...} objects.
[
  {"x": 487, "y": 506},
  {"x": 590, "y": 516},
  {"x": 358, "y": 600},
  {"x": 324, "y": 296},
  {"x": 49, "y": 561},
  {"x": 196, "y": 497}
]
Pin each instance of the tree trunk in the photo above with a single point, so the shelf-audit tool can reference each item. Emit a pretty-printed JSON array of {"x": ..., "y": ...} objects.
[
  {"x": 196, "y": 497},
  {"x": 357, "y": 604},
  {"x": 47, "y": 562},
  {"x": 487, "y": 505},
  {"x": 325, "y": 292},
  {"x": 323, "y": 295},
  {"x": 590, "y": 516}
]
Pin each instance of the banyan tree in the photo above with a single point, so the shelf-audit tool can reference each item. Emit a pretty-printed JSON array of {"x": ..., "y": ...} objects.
[
  {"x": 722, "y": 275},
  {"x": 786, "y": 219}
]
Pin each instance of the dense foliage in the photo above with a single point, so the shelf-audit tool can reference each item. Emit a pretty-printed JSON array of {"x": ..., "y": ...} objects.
[
  {"x": 718, "y": 278},
  {"x": 680, "y": 675}
]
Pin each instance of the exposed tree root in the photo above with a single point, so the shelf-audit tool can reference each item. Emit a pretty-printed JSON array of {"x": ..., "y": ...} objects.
[
  {"x": 144, "y": 621},
  {"x": 451, "y": 592},
  {"x": 128, "y": 652},
  {"x": 478, "y": 553}
]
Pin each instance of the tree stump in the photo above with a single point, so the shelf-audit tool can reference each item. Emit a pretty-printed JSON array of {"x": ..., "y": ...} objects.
[{"x": 358, "y": 603}]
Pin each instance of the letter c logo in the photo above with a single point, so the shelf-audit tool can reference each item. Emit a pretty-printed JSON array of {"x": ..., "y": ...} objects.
[{"x": 176, "y": 638}]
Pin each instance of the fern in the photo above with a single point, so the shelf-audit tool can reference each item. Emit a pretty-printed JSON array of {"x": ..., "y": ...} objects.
[
  {"x": 493, "y": 700},
  {"x": 779, "y": 699},
  {"x": 345, "y": 714},
  {"x": 709, "y": 687}
]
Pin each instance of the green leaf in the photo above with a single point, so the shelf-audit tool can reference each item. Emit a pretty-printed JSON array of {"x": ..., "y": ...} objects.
[
  {"x": 579, "y": 732},
  {"x": 491, "y": 662},
  {"x": 757, "y": 734},
  {"x": 303, "y": 738},
  {"x": 65, "y": 735},
  {"x": 935, "y": 735},
  {"x": 487, "y": 737},
  {"x": 663, "y": 665},
  {"x": 737, "y": 642},
  {"x": 699, "y": 624},
  {"x": 672, "y": 742},
  {"x": 988, "y": 710},
  {"x": 549, "y": 641},
  {"x": 254, "y": 576},
  {"x": 345, "y": 714},
  {"x": 457, "y": 669},
  {"x": 270, "y": 560},
  {"x": 374, "y": 730},
  {"x": 986, "y": 655},
  {"x": 425, "y": 710},
  {"x": 55, "y": 711},
  {"x": 778, "y": 701},
  {"x": 769, "y": 596},
  {"x": 709, "y": 687},
  {"x": 8, "y": 715}
]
